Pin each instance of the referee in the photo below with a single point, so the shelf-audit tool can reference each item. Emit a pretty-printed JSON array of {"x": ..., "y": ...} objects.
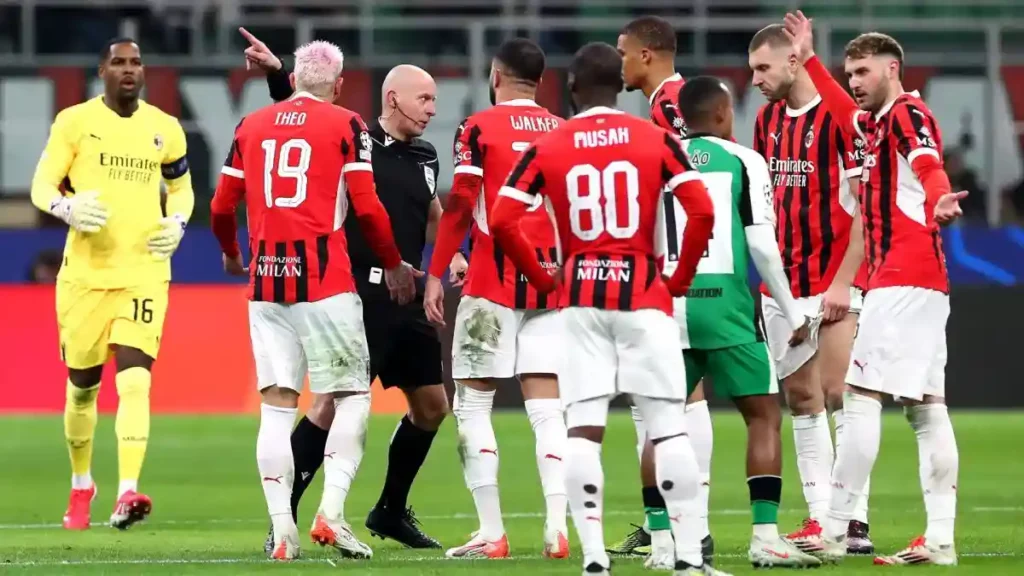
[{"x": 405, "y": 350}]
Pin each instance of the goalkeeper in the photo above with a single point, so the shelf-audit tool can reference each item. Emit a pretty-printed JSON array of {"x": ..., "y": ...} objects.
[{"x": 110, "y": 155}]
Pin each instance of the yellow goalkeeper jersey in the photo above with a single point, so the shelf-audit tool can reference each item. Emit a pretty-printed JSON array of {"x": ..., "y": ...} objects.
[{"x": 124, "y": 159}]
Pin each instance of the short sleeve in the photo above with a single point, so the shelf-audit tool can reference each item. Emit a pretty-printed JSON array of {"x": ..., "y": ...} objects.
[
  {"x": 915, "y": 131},
  {"x": 175, "y": 164},
  {"x": 233, "y": 163},
  {"x": 467, "y": 152},
  {"x": 756, "y": 206},
  {"x": 357, "y": 146},
  {"x": 526, "y": 180}
]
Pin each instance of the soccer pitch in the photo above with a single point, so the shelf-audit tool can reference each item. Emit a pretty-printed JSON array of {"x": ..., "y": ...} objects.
[{"x": 209, "y": 515}]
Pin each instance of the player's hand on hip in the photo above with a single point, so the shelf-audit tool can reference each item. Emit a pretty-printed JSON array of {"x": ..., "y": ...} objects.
[
  {"x": 457, "y": 270},
  {"x": 164, "y": 241},
  {"x": 947, "y": 209},
  {"x": 433, "y": 301},
  {"x": 257, "y": 54},
  {"x": 801, "y": 334},
  {"x": 83, "y": 211},
  {"x": 835, "y": 303},
  {"x": 234, "y": 266},
  {"x": 800, "y": 34},
  {"x": 401, "y": 282}
]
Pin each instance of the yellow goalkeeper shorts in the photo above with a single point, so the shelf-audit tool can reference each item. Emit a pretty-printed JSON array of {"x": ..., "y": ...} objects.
[{"x": 90, "y": 321}]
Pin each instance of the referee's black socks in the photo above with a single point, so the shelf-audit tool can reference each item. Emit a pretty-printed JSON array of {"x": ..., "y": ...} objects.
[
  {"x": 308, "y": 443},
  {"x": 409, "y": 448}
]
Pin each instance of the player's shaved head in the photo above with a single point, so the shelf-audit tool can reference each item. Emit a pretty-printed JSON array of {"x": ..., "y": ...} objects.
[
  {"x": 706, "y": 104},
  {"x": 595, "y": 76},
  {"x": 408, "y": 99},
  {"x": 773, "y": 61},
  {"x": 318, "y": 67}
]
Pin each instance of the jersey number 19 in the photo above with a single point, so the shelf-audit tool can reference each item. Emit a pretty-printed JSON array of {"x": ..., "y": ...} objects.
[{"x": 281, "y": 158}]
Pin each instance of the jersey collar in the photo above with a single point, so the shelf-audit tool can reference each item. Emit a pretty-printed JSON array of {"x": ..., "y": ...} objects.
[
  {"x": 885, "y": 109},
  {"x": 797, "y": 112},
  {"x": 518, "y": 102},
  {"x": 598, "y": 110},
  {"x": 672, "y": 78},
  {"x": 304, "y": 94}
]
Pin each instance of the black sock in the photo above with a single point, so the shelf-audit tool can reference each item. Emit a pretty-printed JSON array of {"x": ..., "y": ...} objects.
[
  {"x": 408, "y": 450},
  {"x": 308, "y": 443}
]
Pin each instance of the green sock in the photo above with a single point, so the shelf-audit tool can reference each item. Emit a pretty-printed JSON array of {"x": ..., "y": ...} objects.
[
  {"x": 657, "y": 519},
  {"x": 765, "y": 495}
]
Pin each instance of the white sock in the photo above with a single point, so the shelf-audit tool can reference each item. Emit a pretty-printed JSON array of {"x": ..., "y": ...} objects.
[
  {"x": 127, "y": 486},
  {"x": 769, "y": 532},
  {"x": 275, "y": 463},
  {"x": 641, "y": 431},
  {"x": 548, "y": 422},
  {"x": 678, "y": 474},
  {"x": 860, "y": 512},
  {"x": 81, "y": 481},
  {"x": 855, "y": 457},
  {"x": 584, "y": 482},
  {"x": 698, "y": 426},
  {"x": 479, "y": 450},
  {"x": 939, "y": 468},
  {"x": 814, "y": 459},
  {"x": 346, "y": 441}
]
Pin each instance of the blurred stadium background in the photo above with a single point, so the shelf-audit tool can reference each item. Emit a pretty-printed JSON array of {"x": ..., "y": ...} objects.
[{"x": 966, "y": 57}]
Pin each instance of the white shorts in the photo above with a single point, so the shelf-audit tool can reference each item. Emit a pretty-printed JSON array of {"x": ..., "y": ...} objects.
[
  {"x": 789, "y": 359},
  {"x": 900, "y": 348},
  {"x": 613, "y": 352},
  {"x": 493, "y": 341},
  {"x": 324, "y": 338}
]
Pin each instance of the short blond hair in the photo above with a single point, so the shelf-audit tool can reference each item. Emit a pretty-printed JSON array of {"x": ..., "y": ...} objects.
[
  {"x": 875, "y": 44},
  {"x": 318, "y": 66}
]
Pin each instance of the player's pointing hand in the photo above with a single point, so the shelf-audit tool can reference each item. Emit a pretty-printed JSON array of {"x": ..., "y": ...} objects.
[
  {"x": 800, "y": 33},
  {"x": 947, "y": 209},
  {"x": 257, "y": 54}
]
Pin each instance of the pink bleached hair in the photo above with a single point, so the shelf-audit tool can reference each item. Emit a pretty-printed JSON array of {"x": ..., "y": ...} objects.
[{"x": 317, "y": 67}]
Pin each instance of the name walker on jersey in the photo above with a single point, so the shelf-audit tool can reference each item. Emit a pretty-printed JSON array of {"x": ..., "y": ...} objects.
[{"x": 129, "y": 168}]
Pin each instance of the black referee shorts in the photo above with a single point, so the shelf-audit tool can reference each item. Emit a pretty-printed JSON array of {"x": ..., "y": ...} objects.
[{"x": 405, "y": 349}]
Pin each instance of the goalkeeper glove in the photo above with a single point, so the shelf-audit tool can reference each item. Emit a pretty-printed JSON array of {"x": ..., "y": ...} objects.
[
  {"x": 165, "y": 240},
  {"x": 83, "y": 211}
]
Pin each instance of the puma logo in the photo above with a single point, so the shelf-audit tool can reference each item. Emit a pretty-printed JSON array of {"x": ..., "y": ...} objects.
[
  {"x": 273, "y": 479},
  {"x": 552, "y": 457},
  {"x": 775, "y": 137},
  {"x": 330, "y": 455},
  {"x": 489, "y": 451},
  {"x": 860, "y": 365}
]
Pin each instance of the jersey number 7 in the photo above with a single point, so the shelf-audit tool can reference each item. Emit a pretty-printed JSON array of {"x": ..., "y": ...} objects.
[
  {"x": 586, "y": 199},
  {"x": 281, "y": 158}
]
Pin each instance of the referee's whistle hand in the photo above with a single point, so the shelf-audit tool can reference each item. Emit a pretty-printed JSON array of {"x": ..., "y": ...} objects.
[
  {"x": 401, "y": 282},
  {"x": 433, "y": 301}
]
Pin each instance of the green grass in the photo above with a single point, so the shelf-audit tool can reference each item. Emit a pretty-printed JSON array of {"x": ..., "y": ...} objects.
[{"x": 209, "y": 515}]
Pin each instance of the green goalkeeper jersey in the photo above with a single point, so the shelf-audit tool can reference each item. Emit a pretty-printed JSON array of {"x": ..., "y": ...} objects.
[{"x": 719, "y": 310}]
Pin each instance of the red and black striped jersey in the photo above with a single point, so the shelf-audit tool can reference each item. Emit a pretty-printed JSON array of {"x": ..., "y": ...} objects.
[
  {"x": 903, "y": 245},
  {"x": 298, "y": 164},
  {"x": 487, "y": 146},
  {"x": 665, "y": 105},
  {"x": 814, "y": 167},
  {"x": 602, "y": 174}
]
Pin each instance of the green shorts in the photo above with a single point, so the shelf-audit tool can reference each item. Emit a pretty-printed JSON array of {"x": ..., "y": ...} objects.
[{"x": 744, "y": 370}]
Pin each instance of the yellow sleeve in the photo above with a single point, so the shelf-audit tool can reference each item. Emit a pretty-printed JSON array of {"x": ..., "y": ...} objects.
[
  {"x": 180, "y": 197},
  {"x": 55, "y": 162}
]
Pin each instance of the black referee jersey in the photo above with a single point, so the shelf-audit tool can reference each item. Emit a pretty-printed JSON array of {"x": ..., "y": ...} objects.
[{"x": 405, "y": 350}]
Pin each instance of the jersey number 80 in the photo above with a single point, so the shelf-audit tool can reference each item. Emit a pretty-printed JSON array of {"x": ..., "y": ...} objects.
[{"x": 586, "y": 184}]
